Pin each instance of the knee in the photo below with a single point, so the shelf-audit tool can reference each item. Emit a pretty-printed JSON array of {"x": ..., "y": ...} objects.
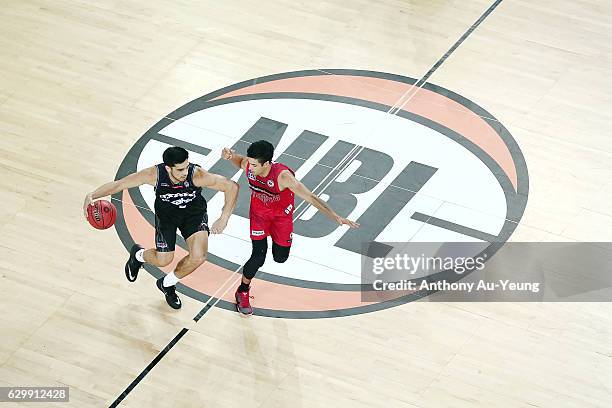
[
  {"x": 258, "y": 255},
  {"x": 257, "y": 260},
  {"x": 198, "y": 259},
  {"x": 280, "y": 258},
  {"x": 280, "y": 254},
  {"x": 252, "y": 265},
  {"x": 165, "y": 258}
]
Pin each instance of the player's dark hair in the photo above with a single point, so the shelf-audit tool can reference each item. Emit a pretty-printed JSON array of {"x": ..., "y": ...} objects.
[
  {"x": 174, "y": 155},
  {"x": 262, "y": 151}
]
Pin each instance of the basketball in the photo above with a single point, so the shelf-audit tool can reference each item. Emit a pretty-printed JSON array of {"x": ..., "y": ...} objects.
[{"x": 101, "y": 214}]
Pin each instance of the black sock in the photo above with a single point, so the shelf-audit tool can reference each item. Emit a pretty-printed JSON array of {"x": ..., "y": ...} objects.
[{"x": 243, "y": 287}]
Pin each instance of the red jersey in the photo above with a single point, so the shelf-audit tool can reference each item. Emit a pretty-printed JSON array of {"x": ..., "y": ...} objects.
[{"x": 266, "y": 197}]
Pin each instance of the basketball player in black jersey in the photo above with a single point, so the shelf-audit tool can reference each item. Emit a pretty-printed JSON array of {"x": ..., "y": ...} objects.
[{"x": 178, "y": 204}]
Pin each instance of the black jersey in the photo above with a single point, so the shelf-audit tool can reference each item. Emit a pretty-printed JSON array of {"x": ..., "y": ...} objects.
[{"x": 181, "y": 197}]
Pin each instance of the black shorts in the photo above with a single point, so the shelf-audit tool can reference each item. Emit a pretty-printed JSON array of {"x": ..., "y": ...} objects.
[{"x": 166, "y": 224}]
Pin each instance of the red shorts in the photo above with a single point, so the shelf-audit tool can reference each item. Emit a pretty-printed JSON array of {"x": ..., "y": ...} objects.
[{"x": 279, "y": 227}]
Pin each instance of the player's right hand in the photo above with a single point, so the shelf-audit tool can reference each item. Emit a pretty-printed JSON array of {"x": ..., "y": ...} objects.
[
  {"x": 227, "y": 153},
  {"x": 344, "y": 221},
  {"x": 88, "y": 200}
]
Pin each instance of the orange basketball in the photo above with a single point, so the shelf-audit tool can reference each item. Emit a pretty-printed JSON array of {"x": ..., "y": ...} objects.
[{"x": 101, "y": 214}]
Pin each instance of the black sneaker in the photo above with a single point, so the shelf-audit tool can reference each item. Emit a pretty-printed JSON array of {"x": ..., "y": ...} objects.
[
  {"x": 133, "y": 265},
  {"x": 170, "y": 291}
]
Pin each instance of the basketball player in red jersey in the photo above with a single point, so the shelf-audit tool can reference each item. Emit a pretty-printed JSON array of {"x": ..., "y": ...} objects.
[
  {"x": 273, "y": 187},
  {"x": 178, "y": 204}
]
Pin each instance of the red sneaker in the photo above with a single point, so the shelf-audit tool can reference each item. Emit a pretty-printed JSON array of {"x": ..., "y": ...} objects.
[{"x": 243, "y": 304}]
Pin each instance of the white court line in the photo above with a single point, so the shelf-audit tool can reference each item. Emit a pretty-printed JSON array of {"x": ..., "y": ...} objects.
[
  {"x": 340, "y": 164},
  {"x": 363, "y": 147}
]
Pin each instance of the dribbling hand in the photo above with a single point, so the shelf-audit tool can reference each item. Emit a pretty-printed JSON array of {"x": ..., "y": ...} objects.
[{"x": 88, "y": 200}]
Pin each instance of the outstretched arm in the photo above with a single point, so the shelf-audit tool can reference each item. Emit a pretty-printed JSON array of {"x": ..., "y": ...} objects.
[
  {"x": 237, "y": 160},
  {"x": 288, "y": 180},
  {"x": 146, "y": 176},
  {"x": 230, "y": 189}
]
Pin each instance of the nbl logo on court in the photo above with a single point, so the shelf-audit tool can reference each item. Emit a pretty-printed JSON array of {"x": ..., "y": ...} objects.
[{"x": 408, "y": 164}]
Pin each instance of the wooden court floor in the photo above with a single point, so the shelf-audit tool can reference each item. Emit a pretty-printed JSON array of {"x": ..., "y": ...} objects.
[{"x": 81, "y": 82}]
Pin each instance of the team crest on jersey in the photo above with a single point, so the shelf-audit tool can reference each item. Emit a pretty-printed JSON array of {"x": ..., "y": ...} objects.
[{"x": 270, "y": 183}]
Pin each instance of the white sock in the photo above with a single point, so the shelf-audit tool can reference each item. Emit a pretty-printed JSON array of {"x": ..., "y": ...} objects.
[
  {"x": 140, "y": 255},
  {"x": 170, "y": 280}
]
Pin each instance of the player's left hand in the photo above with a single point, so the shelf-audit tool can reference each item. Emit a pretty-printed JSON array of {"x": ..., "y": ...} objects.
[
  {"x": 88, "y": 200},
  {"x": 227, "y": 153},
  {"x": 344, "y": 221},
  {"x": 218, "y": 226}
]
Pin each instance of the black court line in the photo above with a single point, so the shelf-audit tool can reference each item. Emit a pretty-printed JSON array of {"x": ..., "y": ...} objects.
[
  {"x": 452, "y": 49},
  {"x": 161, "y": 355},
  {"x": 208, "y": 306},
  {"x": 460, "y": 41},
  {"x": 152, "y": 364}
]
